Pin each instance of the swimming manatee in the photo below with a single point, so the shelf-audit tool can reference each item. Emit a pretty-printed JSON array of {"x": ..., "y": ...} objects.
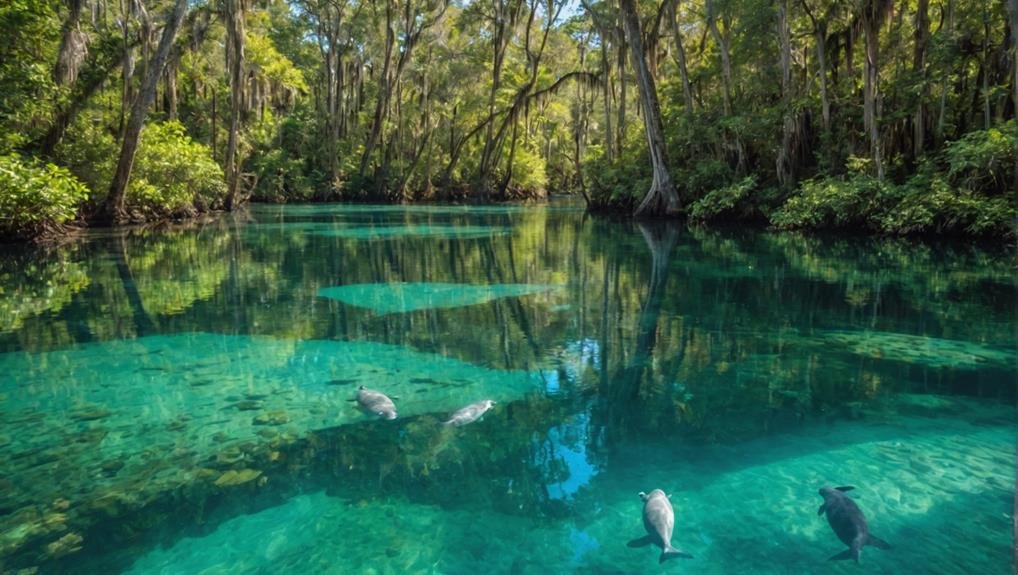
[
  {"x": 376, "y": 402},
  {"x": 470, "y": 413},
  {"x": 659, "y": 520},
  {"x": 848, "y": 522}
]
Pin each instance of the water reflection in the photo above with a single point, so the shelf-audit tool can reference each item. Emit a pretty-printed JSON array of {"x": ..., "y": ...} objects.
[{"x": 709, "y": 360}]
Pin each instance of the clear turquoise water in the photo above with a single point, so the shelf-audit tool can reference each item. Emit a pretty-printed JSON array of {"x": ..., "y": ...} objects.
[{"x": 176, "y": 400}]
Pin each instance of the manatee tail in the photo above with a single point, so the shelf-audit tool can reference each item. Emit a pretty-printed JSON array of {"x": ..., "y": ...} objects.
[
  {"x": 670, "y": 552},
  {"x": 878, "y": 542}
]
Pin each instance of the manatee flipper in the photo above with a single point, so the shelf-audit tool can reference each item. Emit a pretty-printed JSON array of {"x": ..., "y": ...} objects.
[
  {"x": 846, "y": 554},
  {"x": 823, "y": 507},
  {"x": 878, "y": 542},
  {"x": 641, "y": 541},
  {"x": 845, "y": 488},
  {"x": 670, "y": 552}
]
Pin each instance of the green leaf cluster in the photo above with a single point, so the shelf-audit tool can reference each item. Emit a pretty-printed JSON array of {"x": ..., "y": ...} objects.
[{"x": 36, "y": 197}]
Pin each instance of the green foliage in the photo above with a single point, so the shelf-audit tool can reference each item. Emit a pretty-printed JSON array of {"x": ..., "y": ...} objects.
[
  {"x": 620, "y": 184},
  {"x": 90, "y": 151},
  {"x": 836, "y": 202},
  {"x": 30, "y": 30},
  {"x": 723, "y": 201},
  {"x": 173, "y": 173},
  {"x": 281, "y": 178},
  {"x": 34, "y": 197},
  {"x": 704, "y": 176},
  {"x": 529, "y": 170},
  {"x": 926, "y": 203},
  {"x": 983, "y": 160},
  {"x": 934, "y": 205}
]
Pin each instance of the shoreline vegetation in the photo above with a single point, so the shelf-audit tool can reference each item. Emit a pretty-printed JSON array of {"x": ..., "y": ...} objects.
[{"x": 872, "y": 116}]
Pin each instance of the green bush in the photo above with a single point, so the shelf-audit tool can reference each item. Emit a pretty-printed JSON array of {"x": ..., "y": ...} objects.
[
  {"x": 529, "y": 173},
  {"x": 618, "y": 185},
  {"x": 722, "y": 201},
  {"x": 173, "y": 173},
  {"x": 35, "y": 197},
  {"x": 835, "y": 202},
  {"x": 983, "y": 161},
  {"x": 90, "y": 151},
  {"x": 934, "y": 205},
  {"x": 281, "y": 178}
]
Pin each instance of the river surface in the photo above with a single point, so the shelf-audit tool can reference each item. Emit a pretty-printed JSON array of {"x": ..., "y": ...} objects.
[{"x": 177, "y": 399}]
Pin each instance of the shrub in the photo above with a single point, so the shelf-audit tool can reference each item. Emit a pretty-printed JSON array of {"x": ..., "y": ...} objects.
[
  {"x": 983, "y": 160},
  {"x": 529, "y": 173},
  {"x": 36, "y": 197},
  {"x": 723, "y": 201},
  {"x": 833, "y": 202},
  {"x": 173, "y": 173},
  {"x": 280, "y": 178},
  {"x": 934, "y": 205}
]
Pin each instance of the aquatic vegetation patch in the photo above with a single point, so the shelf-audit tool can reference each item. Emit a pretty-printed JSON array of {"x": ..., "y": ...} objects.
[
  {"x": 122, "y": 422},
  {"x": 417, "y": 230},
  {"x": 405, "y": 297},
  {"x": 930, "y": 351}
]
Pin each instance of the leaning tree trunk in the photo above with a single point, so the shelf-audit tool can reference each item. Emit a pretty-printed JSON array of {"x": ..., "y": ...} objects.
[
  {"x": 235, "y": 57},
  {"x": 662, "y": 198},
  {"x": 113, "y": 208}
]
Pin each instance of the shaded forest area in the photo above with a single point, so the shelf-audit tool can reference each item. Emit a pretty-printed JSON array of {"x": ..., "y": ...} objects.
[{"x": 883, "y": 116}]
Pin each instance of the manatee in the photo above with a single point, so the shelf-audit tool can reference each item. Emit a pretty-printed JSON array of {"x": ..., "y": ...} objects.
[
  {"x": 470, "y": 413},
  {"x": 658, "y": 520},
  {"x": 848, "y": 522},
  {"x": 376, "y": 402}
]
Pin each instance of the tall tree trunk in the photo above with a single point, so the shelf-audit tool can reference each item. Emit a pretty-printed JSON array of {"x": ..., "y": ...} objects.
[
  {"x": 726, "y": 62},
  {"x": 871, "y": 17},
  {"x": 922, "y": 36},
  {"x": 680, "y": 59},
  {"x": 987, "y": 67},
  {"x": 820, "y": 34},
  {"x": 384, "y": 90},
  {"x": 620, "y": 123},
  {"x": 1012, "y": 8},
  {"x": 945, "y": 77},
  {"x": 606, "y": 93},
  {"x": 170, "y": 92},
  {"x": 662, "y": 198},
  {"x": 215, "y": 125},
  {"x": 786, "y": 154},
  {"x": 505, "y": 16},
  {"x": 235, "y": 59},
  {"x": 113, "y": 208}
]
